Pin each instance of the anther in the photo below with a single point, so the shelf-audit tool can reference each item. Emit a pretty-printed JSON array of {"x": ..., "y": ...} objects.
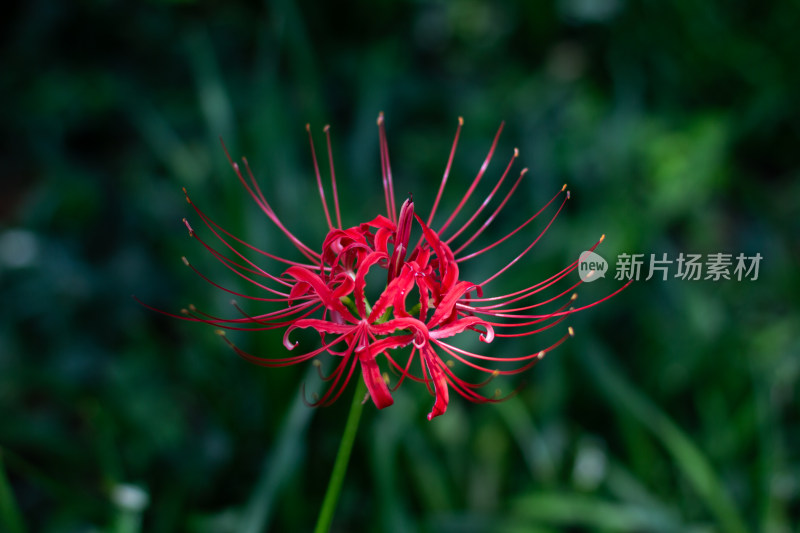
[
  {"x": 184, "y": 311},
  {"x": 327, "y": 128},
  {"x": 460, "y": 121},
  {"x": 516, "y": 152},
  {"x": 568, "y": 195},
  {"x": 316, "y": 363},
  {"x": 450, "y": 363},
  {"x": 192, "y": 308},
  {"x": 602, "y": 237},
  {"x": 495, "y": 373},
  {"x": 188, "y": 227},
  {"x": 540, "y": 355},
  {"x": 219, "y": 332},
  {"x": 386, "y": 378},
  {"x": 497, "y": 393},
  {"x": 564, "y": 188},
  {"x": 571, "y": 331},
  {"x": 308, "y": 127},
  {"x": 574, "y": 296},
  {"x": 185, "y": 261}
]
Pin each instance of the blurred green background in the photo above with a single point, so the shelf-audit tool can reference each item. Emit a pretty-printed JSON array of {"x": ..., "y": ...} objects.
[{"x": 676, "y": 125}]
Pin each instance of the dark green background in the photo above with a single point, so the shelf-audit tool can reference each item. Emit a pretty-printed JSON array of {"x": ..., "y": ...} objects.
[{"x": 675, "y": 124}]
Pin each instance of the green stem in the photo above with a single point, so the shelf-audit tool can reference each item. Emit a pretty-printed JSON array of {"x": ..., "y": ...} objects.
[{"x": 342, "y": 458}]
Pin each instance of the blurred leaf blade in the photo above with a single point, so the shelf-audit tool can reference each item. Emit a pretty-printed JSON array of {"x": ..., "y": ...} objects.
[
  {"x": 694, "y": 466},
  {"x": 10, "y": 514}
]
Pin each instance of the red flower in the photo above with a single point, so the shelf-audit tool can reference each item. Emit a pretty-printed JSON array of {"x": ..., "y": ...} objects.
[{"x": 327, "y": 291}]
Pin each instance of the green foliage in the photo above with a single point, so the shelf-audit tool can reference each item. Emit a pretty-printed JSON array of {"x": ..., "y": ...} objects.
[{"x": 675, "y": 125}]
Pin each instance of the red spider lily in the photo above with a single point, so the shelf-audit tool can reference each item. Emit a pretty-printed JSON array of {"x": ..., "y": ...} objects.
[{"x": 327, "y": 290}]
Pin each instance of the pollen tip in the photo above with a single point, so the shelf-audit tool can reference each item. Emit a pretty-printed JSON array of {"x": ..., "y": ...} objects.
[
  {"x": 460, "y": 121},
  {"x": 516, "y": 152},
  {"x": 571, "y": 331},
  {"x": 219, "y": 332},
  {"x": 185, "y": 261},
  {"x": 602, "y": 237},
  {"x": 540, "y": 355}
]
